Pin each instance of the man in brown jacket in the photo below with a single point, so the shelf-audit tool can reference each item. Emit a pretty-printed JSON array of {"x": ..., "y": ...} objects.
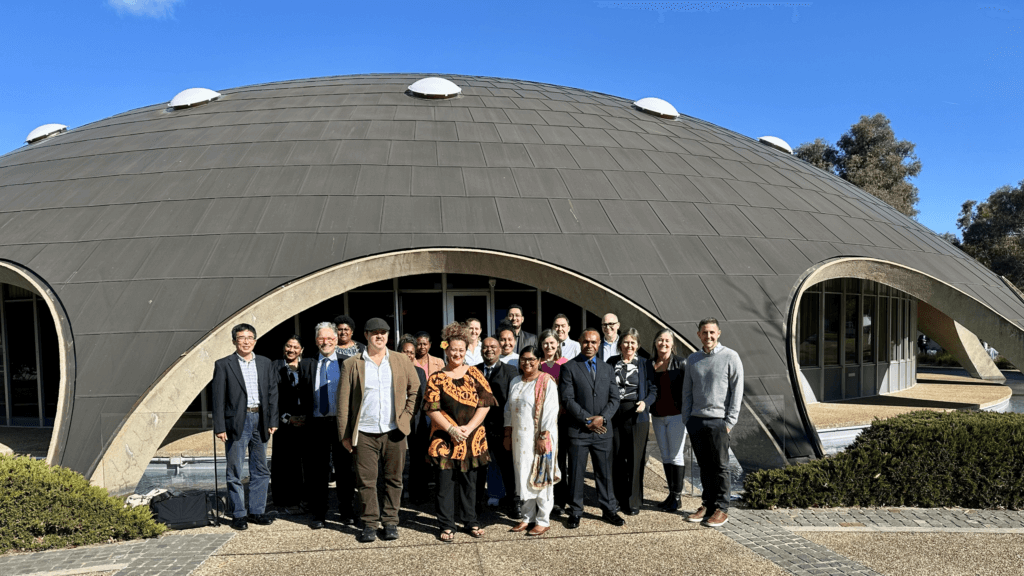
[{"x": 377, "y": 397}]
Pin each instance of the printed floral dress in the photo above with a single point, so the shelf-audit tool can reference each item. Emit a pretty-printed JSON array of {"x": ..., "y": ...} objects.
[{"x": 457, "y": 400}]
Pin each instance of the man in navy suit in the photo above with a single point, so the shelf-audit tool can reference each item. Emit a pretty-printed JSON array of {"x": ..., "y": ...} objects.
[
  {"x": 590, "y": 396},
  {"x": 244, "y": 416}
]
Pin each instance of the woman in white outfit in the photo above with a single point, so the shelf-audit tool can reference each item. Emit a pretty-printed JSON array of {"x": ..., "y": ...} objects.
[{"x": 531, "y": 434}]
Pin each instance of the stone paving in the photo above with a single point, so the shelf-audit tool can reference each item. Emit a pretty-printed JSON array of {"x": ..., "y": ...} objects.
[
  {"x": 774, "y": 535},
  {"x": 175, "y": 554}
]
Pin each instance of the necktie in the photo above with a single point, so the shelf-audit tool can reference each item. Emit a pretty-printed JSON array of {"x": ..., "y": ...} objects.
[
  {"x": 325, "y": 401},
  {"x": 592, "y": 367},
  {"x": 487, "y": 372}
]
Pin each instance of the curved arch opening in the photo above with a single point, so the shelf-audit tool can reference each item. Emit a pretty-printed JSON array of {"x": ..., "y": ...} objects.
[
  {"x": 37, "y": 362},
  {"x": 140, "y": 434},
  {"x": 937, "y": 305}
]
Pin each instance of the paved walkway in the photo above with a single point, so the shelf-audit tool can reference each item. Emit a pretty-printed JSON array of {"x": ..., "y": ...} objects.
[{"x": 753, "y": 541}]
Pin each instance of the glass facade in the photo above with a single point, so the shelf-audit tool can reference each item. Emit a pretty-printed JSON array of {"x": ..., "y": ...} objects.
[
  {"x": 867, "y": 334},
  {"x": 30, "y": 359}
]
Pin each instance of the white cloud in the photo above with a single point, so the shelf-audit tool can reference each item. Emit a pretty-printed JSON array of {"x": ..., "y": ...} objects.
[{"x": 152, "y": 8}]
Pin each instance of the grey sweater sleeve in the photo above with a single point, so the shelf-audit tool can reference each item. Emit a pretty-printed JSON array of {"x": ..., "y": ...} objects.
[{"x": 735, "y": 397}]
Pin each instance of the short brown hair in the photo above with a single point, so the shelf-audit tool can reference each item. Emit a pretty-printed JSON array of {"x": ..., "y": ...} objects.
[{"x": 706, "y": 321}]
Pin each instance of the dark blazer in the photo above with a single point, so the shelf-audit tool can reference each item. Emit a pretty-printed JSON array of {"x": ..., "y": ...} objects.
[
  {"x": 500, "y": 380},
  {"x": 645, "y": 391},
  {"x": 583, "y": 396},
  {"x": 676, "y": 370},
  {"x": 420, "y": 420},
  {"x": 525, "y": 339},
  {"x": 290, "y": 399},
  {"x": 230, "y": 398}
]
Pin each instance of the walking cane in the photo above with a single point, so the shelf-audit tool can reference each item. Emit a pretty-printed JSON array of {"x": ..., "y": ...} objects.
[{"x": 216, "y": 484}]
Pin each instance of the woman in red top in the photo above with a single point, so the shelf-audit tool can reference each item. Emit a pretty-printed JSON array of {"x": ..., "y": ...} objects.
[{"x": 666, "y": 372}]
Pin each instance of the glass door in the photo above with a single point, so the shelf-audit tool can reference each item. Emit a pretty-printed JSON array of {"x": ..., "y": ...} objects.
[{"x": 463, "y": 304}]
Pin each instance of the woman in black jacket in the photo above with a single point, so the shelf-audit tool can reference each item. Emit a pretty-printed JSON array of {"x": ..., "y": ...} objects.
[
  {"x": 631, "y": 423},
  {"x": 665, "y": 371},
  {"x": 286, "y": 473}
]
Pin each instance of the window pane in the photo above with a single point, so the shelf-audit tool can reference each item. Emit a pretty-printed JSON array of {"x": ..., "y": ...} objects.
[
  {"x": 808, "y": 321},
  {"x": 50, "y": 355},
  {"x": 894, "y": 330},
  {"x": 867, "y": 331},
  {"x": 852, "y": 285},
  {"x": 883, "y": 329},
  {"x": 21, "y": 347},
  {"x": 835, "y": 285},
  {"x": 832, "y": 327},
  {"x": 851, "y": 329},
  {"x": 467, "y": 282}
]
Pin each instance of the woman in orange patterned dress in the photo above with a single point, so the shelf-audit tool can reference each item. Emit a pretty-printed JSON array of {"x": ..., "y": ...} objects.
[{"x": 457, "y": 400}]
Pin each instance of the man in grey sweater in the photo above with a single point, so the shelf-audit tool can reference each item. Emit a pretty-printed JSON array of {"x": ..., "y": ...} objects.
[{"x": 712, "y": 392}]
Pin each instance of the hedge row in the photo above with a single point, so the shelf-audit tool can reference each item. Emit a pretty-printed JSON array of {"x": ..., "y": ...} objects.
[
  {"x": 921, "y": 459},
  {"x": 52, "y": 507}
]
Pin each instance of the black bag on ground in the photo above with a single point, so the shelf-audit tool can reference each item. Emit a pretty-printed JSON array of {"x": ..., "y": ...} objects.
[{"x": 180, "y": 512}]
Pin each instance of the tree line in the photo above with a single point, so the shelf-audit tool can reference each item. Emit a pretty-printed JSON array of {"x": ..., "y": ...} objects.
[{"x": 870, "y": 157}]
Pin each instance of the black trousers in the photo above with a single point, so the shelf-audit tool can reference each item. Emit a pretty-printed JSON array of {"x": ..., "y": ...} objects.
[
  {"x": 456, "y": 485},
  {"x": 324, "y": 446},
  {"x": 710, "y": 444},
  {"x": 286, "y": 466},
  {"x": 562, "y": 488},
  {"x": 421, "y": 473},
  {"x": 629, "y": 454},
  {"x": 600, "y": 452},
  {"x": 503, "y": 460}
]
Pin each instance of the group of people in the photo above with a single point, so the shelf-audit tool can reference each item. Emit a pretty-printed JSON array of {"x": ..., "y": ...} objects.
[{"x": 533, "y": 406}]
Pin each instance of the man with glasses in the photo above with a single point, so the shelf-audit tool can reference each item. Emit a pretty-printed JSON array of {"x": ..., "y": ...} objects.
[
  {"x": 320, "y": 376},
  {"x": 376, "y": 402},
  {"x": 523, "y": 338},
  {"x": 245, "y": 416},
  {"x": 347, "y": 347},
  {"x": 610, "y": 342},
  {"x": 570, "y": 348}
]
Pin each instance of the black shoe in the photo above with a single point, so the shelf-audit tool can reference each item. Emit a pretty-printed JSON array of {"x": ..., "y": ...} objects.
[
  {"x": 631, "y": 511},
  {"x": 390, "y": 532},
  {"x": 239, "y": 523},
  {"x": 573, "y": 522},
  {"x": 369, "y": 534},
  {"x": 515, "y": 511},
  {"x": 261, "y": 519},
  {"x": 347, "y": 518},
  {"x": 556, "y": 510},
  {"x": 317, "y": 525},
  {"x": 613, "y": 518}
]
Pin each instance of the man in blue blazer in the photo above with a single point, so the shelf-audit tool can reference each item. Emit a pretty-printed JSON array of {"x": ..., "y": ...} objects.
[
  {"x": 245, "y": 415},
  {"x": 590, "y": 396}
]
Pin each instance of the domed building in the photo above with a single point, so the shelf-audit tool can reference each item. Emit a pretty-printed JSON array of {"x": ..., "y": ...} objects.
[{"x": 129, "y": 247}]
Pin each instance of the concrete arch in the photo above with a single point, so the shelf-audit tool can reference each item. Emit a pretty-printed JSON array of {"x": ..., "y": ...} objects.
[
  {"x": 127, "y": 454},
  {"x": 957, "y": 314},
  {"x": 18, "y": 275}
]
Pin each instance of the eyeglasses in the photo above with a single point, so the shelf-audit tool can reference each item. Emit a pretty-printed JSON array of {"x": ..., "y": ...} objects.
[
  {"x": 244, "y": 339},
  {"x": 527, "y": 360},
  {"x": 607, "y": 324}
]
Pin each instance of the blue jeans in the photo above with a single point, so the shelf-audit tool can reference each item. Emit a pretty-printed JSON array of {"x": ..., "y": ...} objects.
[{"x": 259, "y": 474}]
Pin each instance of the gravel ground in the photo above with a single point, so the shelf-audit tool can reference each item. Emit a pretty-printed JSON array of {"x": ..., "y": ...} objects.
[{"x": 929, "y": 554}]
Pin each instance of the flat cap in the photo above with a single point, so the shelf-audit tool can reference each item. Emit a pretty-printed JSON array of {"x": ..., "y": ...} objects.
[{"x": 374, "y": 324}]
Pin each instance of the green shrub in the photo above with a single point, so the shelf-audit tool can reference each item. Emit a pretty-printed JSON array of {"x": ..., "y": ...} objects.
[
  {"x": 52, "y": 507},
  {"x": 921, "y": 459}
]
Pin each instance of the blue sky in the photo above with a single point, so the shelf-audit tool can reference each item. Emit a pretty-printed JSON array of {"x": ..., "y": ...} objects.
[{"x": 949, "y": 75}]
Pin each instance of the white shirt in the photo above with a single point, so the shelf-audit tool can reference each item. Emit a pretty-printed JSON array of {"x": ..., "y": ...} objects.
[
  {"x": 609, "y": 349},
  {"x": 378, "y": 415},
  {"x": 570, "y": 348},
  {"x": 473, "y": 357},
  {"x": 511, "y": 359}
]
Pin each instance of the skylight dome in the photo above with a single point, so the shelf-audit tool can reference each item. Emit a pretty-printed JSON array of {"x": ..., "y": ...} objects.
[
  {"x": 45, "y": 131},
  {"x": 434, "y": 87},
  {"x": 656, "y": 107},
  {"x": 193, "y": 97},
  {"x": 777, "y": 143}
]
